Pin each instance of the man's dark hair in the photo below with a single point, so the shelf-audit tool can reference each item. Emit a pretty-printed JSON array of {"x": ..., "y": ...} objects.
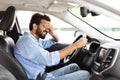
[
  {"x": 45, "y": 17},
  {"x": 36, "y": 19}
]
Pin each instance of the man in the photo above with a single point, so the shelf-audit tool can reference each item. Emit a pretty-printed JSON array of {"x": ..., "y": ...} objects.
[{"x": 31, "y": 53}]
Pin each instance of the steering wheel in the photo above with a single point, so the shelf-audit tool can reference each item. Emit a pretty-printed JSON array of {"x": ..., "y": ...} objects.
[{"x": 74, "y": 53}]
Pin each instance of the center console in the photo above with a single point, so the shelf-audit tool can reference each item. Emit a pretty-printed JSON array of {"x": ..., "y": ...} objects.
[{"x": 104, "y": 60}]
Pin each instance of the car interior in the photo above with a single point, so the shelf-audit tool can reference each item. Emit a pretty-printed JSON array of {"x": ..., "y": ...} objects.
[{"x": 100, "y": 58}]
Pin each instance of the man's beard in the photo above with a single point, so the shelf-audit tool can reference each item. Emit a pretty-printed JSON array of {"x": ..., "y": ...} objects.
[{"x": 40, "y": 33}]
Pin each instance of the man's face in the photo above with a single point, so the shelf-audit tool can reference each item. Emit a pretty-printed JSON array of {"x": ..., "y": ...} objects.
[{"x": 42, "y": 29}]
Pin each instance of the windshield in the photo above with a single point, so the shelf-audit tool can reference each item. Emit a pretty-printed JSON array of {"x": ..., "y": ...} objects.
[
  {"x": 111, "y": 3},
  {"x": 103, "y": 23}
]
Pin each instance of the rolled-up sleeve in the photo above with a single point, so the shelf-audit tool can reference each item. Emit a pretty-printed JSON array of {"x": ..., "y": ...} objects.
[
  {"x": 55, "y": 58},
  {"x": 47, "y": 58}
]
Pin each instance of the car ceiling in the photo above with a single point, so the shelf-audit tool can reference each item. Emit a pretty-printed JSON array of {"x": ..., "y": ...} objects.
[
  {"x": 57, "y": 6},
  {"x": 40, "y": 5},
  {"x": 58, "y": 9}
]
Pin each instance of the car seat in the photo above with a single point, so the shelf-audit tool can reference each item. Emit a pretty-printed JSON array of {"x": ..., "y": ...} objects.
[
  {"x": 7, "y": 58},
  {"x": 5, "y": 74}
]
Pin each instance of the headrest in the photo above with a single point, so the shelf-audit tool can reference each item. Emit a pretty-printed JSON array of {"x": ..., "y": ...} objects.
[
  {"x": 8, "y": 18},
  {"x": 7, "y": 44}
]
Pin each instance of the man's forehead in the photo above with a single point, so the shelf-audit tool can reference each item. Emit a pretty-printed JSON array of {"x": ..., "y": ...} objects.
[{"x": 44, "y": 21}]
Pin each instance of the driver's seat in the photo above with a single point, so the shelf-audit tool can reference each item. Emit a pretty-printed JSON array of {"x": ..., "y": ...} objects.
[{"x": 7, "y": 58}]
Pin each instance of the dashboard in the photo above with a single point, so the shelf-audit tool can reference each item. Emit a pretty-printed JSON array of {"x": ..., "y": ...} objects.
[
  {"x": 103, "y": 60},
  {"x": 106, "y": 62}
]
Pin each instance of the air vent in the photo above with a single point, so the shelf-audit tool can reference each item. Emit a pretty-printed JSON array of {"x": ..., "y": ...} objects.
[
  {"x": 108, "y": 59},
  {"x": 105, "y": 63}
]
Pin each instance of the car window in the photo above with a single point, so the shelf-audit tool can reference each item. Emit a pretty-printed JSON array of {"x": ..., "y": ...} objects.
[
  {"x": 103, "y": 23},
  {"x": 63, "y": 30}
]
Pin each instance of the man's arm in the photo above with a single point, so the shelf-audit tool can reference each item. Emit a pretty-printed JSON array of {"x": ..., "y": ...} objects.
[
  {"x": 80, "y": 43},
  {"x": 51, "y": 32},
  {"x": 55, "y": 37},
  {"x": 64, "y": 52}
]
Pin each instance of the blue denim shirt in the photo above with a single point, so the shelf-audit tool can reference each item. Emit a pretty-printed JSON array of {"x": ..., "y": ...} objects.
[{"x": 31, "y": 54}]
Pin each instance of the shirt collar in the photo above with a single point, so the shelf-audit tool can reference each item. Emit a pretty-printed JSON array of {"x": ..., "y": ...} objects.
[{"x": 32, "y": 37}]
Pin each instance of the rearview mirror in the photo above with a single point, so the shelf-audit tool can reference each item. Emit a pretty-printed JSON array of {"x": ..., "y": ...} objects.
[
  {"x": 94, "y": 13},
  {"x": 84, "y": 12}
]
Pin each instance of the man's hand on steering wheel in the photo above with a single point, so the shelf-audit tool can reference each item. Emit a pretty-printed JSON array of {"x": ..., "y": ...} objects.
[{"x": 80, "y": 43}]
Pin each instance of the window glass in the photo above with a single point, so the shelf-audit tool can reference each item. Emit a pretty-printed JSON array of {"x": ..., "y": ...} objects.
[{"x": 64, "y": 31}]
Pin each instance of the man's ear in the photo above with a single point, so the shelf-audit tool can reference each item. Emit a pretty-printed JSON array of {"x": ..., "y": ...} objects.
[{"x": 34, "y": 26}]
